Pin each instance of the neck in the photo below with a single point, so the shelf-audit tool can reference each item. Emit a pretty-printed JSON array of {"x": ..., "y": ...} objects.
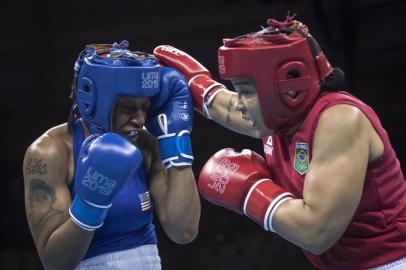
[
  {"x": 86, "y": 130},
  {"x": 294, "y": 128}
]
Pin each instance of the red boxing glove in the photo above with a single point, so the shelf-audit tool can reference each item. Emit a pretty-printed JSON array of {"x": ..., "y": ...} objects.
[
  {"x": 240, "y": 182},
  {"x": 201, "y": 85}
]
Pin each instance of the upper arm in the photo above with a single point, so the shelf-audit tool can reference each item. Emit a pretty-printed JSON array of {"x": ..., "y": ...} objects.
[
  {"x": 223, "y": 111},
  {"x": 334, "y": 183},
  {"x": 47, "y": 197}
]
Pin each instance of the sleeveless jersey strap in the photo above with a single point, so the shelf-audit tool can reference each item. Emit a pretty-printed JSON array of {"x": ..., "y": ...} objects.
[{"x": 78, "y": 138}]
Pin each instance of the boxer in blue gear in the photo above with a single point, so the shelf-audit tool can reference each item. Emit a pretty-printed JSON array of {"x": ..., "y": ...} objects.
[{"x": 91, "y": 184}]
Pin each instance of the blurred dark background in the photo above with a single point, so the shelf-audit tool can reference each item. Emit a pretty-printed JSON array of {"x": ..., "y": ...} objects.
[{"x": 40, "y": 41}]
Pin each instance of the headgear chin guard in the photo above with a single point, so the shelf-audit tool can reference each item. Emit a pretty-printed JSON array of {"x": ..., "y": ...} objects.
[
  {"x": 286, "y": 65},
  {"x": 105, "y": 72}
]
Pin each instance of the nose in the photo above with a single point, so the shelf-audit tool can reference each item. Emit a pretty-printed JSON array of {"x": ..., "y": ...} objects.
[
  {"x": 239, "y": 104},
  {"x": 138, "y": 118}
]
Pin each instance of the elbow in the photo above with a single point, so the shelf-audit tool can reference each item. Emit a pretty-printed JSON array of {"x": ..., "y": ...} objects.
[
  {"x": 185, "y": 237},
  {"x": 56, "y": 266},
  {"x": 181, "y": 233},
  {"x": 181, "y": 230},
  {"x": 319, "y": 242},
  {"x": 51, "y": 264},
  {"x": 316, "y": 248},
  {"x": 55, "y": 262},
  {"x": 47, "y": 261}
]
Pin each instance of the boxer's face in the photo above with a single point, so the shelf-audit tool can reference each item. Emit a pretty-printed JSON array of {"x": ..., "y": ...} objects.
[
  {"x": 129, "y": 115},
  {"x": 248, "y": 105}
]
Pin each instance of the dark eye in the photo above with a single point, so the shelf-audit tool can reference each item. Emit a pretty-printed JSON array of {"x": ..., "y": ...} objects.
[
  {"x": 145, "y": 107},
  {"x": 245, "y": 92},
  {"x": 127, "y": 108},
  {"x": 293, "y": 74}
]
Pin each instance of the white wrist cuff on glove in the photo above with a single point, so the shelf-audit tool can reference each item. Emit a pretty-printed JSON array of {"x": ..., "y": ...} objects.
[
  {"x": 272, "y": 209},
  {"x": 263, "y": 199}
]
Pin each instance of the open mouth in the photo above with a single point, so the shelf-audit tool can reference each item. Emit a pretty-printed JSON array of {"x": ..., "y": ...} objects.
[
  {"x": 130, "y": 133},
  {"x": 133, "y": 133},
  {"x": 252, "y": 122},
  {"x": 249, "y": 120}
]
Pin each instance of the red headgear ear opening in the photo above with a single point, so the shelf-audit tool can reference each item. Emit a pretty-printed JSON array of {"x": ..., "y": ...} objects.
[{"x": 293, "y": 76}]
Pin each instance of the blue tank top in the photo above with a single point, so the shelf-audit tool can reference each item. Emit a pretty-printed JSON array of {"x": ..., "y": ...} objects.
[{"x": 129, "y": 220}]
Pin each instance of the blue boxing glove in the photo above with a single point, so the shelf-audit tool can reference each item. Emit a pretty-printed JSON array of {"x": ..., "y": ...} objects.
[
  {"x": 104, "y": 164},
  {"x": 171, "y": 123}
]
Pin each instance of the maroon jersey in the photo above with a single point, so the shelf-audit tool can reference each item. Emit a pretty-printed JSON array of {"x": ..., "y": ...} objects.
[{"x": 377, "y": 233}]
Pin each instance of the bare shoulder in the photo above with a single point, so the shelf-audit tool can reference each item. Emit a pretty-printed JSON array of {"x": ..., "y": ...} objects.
[
  {"x": 342, "y": 117},
  {"x": 49, "y": 153},
  {"x": 341, "y": 129}
]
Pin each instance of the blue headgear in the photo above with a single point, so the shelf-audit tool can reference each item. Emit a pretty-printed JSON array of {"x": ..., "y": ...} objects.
[{"x": 102, "y": 78}]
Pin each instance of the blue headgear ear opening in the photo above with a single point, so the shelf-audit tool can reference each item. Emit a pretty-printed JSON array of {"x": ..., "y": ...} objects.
[{"x": 86, "y": 96}]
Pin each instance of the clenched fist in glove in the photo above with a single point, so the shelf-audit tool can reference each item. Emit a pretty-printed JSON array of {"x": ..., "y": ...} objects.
[
  {"x": 171, "y": 119},
  {"x": 201, "y": 85},
  {"x": 241, "y": 182},
  {"x": 104, "y": 165}
]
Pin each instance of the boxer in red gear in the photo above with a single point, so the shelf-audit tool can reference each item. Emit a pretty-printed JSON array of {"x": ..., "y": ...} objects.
[{"x": 322, "y": 145}]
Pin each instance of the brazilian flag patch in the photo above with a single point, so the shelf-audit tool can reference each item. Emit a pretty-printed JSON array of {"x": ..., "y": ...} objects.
[{"x": 301, "y": 158}]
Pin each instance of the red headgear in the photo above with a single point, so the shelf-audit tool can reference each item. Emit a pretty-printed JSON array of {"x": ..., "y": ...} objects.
[{"x": 279, "y": 59}]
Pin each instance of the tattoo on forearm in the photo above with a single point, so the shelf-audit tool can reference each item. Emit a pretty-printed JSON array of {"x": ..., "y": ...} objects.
[
  {"x": 40, "y": 202},
  {"x": 229, "y": 107},
  {"x": 35, "y": 166}
]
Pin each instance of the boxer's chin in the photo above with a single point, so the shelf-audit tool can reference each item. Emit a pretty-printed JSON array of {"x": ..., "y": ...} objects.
[
  {"x": 263, "y": 132},
  {"x": 260, "y": 133}
]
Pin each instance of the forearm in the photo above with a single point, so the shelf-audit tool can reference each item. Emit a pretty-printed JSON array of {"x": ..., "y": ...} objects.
[
  {"x": 182, "y": 205},
  {"x": 222, "y": 111},
  {"x": 65, "y": 247},
  {"x": 210, "y": 97},
  {"x": 306, "y": 226}
]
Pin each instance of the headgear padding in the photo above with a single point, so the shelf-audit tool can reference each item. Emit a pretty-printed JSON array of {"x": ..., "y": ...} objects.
[
  {"x": 286, "y": 65},
  {"x": 103, "y": 76}
]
